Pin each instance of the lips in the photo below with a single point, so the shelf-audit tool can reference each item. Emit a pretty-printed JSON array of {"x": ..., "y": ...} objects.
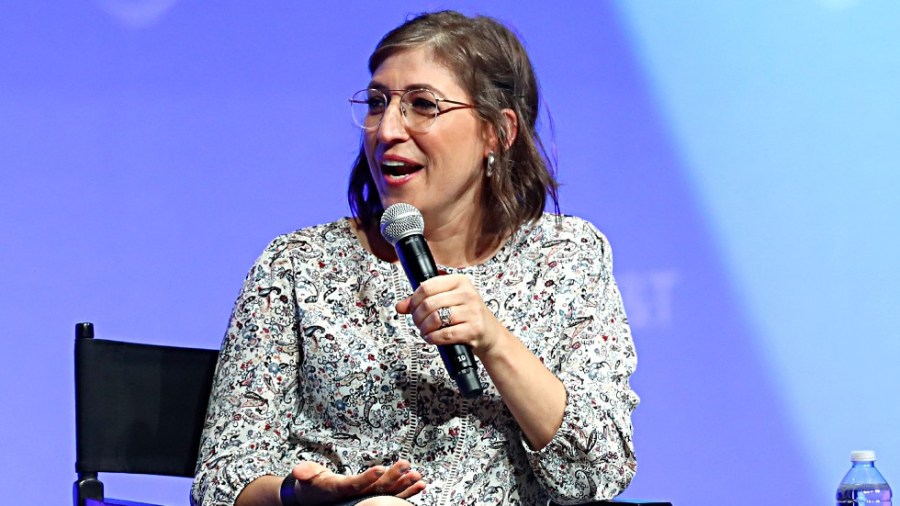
[{"x": 398, "y": 169}]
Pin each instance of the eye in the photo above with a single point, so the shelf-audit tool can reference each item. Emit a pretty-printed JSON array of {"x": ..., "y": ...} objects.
[
  {"x": 422, "y": 102},
  {"x": 376, "y": 103}
]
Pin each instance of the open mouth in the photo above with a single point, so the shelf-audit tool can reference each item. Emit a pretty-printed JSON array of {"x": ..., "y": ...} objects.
[{"x": 397, "y": 169}]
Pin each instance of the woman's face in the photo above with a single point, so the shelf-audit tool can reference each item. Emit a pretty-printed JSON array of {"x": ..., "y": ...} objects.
[{"x": 440, "y": 172}]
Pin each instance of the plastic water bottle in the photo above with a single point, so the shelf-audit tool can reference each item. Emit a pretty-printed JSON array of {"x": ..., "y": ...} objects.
[{"x": 863, "y": 484}]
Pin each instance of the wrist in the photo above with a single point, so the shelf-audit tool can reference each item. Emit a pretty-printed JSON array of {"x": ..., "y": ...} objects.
[
  {"x": 288, "y": 491},
  {"x": 498, "y": 348}
]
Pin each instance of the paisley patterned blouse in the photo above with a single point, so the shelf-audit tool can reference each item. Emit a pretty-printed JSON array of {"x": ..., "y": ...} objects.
[{"x": 317, "y": 365}]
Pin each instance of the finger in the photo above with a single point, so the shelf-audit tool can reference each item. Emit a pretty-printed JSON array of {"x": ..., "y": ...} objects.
[
  {"x": 402, "y": 483},
  {"x": 428, "y": 288},
  {"x": 396, "y": 472},
  {"x": 404, "y": 306},
  {"x": 463, "y": 324},
  {"x": 426, "y": 315},
  {"x": 447, "y": 335},
  {"x": 412, "y": 490},
  {"x": 360, "y": 483},
  {"x": 442, "y": 291},
  {"x": 391, "y": 480},
  {"x": 433, "y": 286}
]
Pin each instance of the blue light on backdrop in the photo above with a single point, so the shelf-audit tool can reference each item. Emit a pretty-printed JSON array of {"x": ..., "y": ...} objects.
[{"x": 741, "y": 159}]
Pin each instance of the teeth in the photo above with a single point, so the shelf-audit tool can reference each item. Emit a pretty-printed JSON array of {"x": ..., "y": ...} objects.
[{"x": 398, "y": 169}]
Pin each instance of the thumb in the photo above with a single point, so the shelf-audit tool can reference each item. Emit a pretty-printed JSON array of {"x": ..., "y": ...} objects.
[
  {"x": 402, "y": 307},
  {"x": 306, "y": 471}
]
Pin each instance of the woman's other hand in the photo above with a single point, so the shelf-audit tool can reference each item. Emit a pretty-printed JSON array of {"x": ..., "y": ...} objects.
[{"x": 318, "y": 485}]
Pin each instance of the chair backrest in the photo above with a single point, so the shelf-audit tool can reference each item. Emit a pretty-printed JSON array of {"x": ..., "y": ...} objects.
[{"x": 139, "y": 408}]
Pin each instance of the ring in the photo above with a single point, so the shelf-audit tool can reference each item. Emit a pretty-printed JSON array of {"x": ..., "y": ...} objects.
[{"x": 444, "y": 313}]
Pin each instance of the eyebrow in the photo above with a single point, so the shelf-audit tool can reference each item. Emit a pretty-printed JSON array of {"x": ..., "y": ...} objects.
[{"x": 414, "y": 86}]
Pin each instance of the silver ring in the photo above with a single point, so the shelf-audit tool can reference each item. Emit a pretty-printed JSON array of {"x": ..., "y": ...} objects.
[{"x": 444, "y": 313}]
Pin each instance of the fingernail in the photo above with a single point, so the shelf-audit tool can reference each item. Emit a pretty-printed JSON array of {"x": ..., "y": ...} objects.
[
  {"x": 404, "y": 470},
  {"x": 379, "y": 472}
]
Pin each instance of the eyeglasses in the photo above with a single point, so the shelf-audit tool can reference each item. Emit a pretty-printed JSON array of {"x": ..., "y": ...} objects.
[{"x": 419, "y": 108}]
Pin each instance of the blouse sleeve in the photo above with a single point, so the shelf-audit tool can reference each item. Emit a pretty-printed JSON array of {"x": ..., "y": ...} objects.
[
  {"x": 591, "y": 456},
  {"x": 246, "y": 428}
]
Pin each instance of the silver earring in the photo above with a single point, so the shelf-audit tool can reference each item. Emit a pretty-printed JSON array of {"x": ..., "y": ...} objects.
[{"x": 490, "y": 164}]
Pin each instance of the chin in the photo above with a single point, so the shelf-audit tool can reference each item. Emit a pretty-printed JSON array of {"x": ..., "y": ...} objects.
[{"x": 388, "y": 201}]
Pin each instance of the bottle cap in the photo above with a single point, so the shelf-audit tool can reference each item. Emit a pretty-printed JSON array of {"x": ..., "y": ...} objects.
[{"x": 862, "y": 456}]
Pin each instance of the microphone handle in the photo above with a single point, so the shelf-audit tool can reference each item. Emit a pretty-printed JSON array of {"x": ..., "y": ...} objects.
[{"x": 458, "y": 358}]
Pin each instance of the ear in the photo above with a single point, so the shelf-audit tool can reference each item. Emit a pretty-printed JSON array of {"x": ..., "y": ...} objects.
[
  {"x": 512, "y": 127},
  {"x": 511, "y": 124}
]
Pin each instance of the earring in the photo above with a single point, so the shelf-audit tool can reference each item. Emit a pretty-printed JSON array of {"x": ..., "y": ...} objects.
[{"x": 490, "y": 164}]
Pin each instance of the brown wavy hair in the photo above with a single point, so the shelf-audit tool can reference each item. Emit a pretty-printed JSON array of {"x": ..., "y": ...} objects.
[{"x": 491, "y": 64}]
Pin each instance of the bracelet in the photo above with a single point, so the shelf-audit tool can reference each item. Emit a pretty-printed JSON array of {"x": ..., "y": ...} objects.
[{"x": 288, "y": 492}]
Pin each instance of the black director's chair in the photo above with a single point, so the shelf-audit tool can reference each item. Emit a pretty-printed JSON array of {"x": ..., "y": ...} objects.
[{"x": 139, "y": 409}]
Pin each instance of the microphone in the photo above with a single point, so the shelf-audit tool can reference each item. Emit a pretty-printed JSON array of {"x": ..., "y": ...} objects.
[{"x": 402, "y": 225}]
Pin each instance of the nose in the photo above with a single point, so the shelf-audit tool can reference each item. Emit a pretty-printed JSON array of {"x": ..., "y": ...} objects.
[{"x": 393, "y": 126}]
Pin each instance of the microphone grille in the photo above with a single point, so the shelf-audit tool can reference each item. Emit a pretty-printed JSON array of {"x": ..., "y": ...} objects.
[{"x": 401, "y": 220}]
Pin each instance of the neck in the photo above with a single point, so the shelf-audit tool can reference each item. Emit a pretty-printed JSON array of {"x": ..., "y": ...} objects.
[
  {"x": 460, "y": 242},
  {"x": 454, "y": 243}
]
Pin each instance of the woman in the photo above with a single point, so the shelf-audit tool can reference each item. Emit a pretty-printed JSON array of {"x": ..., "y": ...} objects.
[{"x": 329, "y": 388}]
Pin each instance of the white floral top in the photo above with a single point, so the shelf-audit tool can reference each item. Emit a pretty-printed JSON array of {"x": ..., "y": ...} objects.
[{"x": 317, "y": 365}]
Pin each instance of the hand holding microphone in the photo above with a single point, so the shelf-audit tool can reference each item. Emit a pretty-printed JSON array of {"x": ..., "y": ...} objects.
[{"x": 402, "y": 225}]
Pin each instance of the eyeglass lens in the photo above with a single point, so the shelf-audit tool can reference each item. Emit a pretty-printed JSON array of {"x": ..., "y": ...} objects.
[{"x": 418, "y": 107}]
